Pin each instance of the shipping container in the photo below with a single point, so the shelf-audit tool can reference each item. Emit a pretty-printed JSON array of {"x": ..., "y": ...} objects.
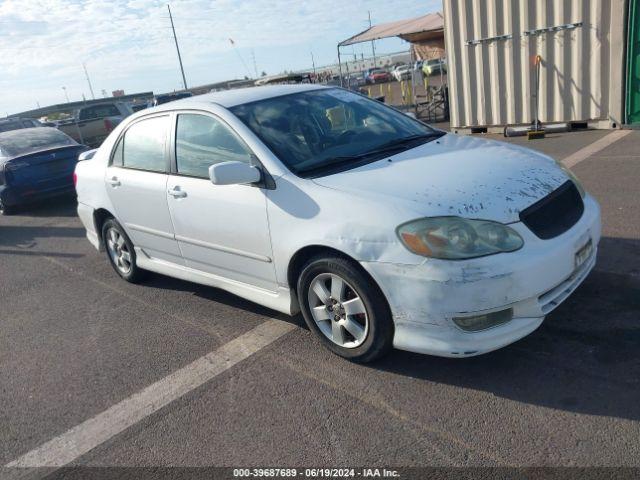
[{"x": 491, "y": 50}]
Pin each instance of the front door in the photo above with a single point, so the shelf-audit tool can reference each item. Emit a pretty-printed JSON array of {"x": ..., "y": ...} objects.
[
  {"x": 136, "y": 181},
  {"x": 221, "y": 229}
]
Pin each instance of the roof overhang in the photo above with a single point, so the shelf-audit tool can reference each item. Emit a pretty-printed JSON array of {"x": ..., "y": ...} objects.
[{"x": 412, "y": 30}]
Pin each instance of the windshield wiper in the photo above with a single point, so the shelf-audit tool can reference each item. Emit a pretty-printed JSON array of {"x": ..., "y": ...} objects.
[
  {"x": 403, "y": 142},
  {"x": 397, "y": 144},
  {"x": 332, "y": 162}
]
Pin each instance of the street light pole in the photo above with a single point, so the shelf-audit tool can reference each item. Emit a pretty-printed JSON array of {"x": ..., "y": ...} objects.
[
  {"x": 86, "y": 74},
  {"x": 373, "y": 45},
  {"x": 175, "y": 39},
  {"x": 65, "y": 93}
]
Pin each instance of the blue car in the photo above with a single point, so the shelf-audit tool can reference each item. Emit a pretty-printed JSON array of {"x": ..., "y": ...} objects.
[{"x": 35, "y": 163}]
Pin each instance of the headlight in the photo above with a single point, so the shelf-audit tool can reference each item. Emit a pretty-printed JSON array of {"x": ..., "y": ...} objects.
[
  {"x": 456, "y": 238},
  {"x": 573, "y": 178}
]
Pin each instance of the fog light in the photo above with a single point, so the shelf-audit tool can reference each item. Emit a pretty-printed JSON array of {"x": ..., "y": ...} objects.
[{"x": 482, "y": 322}]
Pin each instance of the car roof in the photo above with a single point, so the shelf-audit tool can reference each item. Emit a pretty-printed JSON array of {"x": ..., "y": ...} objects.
[{"x": 232, "y": 98}]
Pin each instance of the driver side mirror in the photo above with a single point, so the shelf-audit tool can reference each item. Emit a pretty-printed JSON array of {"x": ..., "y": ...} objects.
[{"x": 234, "y": 173}]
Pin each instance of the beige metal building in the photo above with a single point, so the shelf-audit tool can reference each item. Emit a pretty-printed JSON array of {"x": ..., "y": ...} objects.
[{"x": 491, "y": 47}]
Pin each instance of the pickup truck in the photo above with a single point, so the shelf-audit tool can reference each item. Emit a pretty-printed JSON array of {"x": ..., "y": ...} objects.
[{"x": 93, "y": 123}]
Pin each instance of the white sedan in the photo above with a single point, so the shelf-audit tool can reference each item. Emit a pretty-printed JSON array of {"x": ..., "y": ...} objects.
[
  {"x": 401, "y": 72},
  {"x": 383, "y": 231}
]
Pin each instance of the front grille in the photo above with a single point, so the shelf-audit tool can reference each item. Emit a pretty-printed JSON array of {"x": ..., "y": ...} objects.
[{"x": 554, "y": 214}]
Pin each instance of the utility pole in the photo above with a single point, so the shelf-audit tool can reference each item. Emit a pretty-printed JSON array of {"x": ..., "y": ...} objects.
[
  {"x": 313, "y": 63},
  {"x": 255, "y": 67},
  {"x": 86, "y": 74},
  {"x": 373, "y": 45},
  {"x": 65, "y": 93},
  {"x": 175, "y": 39}
]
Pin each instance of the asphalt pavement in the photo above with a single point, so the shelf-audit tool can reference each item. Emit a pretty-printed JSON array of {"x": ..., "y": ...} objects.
[{"x": 75, "y": 341}]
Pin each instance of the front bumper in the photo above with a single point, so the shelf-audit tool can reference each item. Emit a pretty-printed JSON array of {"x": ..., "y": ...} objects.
[{"x": 533, "y": 281}]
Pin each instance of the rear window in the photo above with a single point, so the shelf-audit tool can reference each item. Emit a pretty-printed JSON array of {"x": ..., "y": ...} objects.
[
  {"x": 30, "y": 140},
  {"x": 8, "y": 126},
  {"x": 99, "y": 111}
]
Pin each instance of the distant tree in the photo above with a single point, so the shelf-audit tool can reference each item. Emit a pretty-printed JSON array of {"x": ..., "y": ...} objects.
[
  {"x": 263, "y": 74},
  {"x": 246, "y": 78}
]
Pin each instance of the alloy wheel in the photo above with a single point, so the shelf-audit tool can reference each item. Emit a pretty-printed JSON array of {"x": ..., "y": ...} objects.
[
  {"x": 338, "y": 310},
  {"x": 118, "y": 251}
]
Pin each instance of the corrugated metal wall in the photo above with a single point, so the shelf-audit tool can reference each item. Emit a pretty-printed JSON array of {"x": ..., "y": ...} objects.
[{"x": 493, "y": 83}]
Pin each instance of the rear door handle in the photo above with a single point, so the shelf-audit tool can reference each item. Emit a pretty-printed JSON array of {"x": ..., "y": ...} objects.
[
  {"x": 177, "y": 193},
  {"x": 114, "y": 182}
]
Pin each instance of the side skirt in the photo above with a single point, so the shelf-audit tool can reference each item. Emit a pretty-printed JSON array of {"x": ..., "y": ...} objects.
[{"x": 280, "y": 300}]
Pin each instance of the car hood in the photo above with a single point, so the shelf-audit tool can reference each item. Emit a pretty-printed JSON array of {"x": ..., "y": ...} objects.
[{"x": 456, "y": 175}]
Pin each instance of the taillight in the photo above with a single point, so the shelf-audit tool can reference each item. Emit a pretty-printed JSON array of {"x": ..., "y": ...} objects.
[
  {"x": 108, "y": 125},
  {"x": 75, "y": 179}
]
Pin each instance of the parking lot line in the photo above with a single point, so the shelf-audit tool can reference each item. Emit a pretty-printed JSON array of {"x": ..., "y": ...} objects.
[
  {"x": 77, "y": 441},
  {"x": 594, "y": 147}
]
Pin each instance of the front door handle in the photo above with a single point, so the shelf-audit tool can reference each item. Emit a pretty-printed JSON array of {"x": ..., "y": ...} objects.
[
  {"x": 177, "y": 193},
  {"x": 114, "y": 182}
]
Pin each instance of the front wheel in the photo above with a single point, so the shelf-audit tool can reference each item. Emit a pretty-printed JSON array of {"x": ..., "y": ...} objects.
[
  {"x": 345, "y": 309},
  {"x": 120, "y": 251}
]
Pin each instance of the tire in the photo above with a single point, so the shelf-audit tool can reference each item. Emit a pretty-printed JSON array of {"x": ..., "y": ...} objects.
[
  {"x": 359, "y": 337},
  {"x": 120, "y": 251},
  {"x": 6, "y": 210}
]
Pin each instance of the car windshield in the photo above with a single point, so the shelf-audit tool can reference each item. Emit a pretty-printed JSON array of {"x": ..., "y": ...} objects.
[
  {"x": 30, "y": 140},
  {"x": 319, "y": 131}
]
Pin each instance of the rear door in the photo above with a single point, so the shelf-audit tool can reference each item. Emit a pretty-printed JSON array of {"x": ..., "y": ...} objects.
[
  {"x": 221, "y": 229},
  {"x": 136, "y": 181}
]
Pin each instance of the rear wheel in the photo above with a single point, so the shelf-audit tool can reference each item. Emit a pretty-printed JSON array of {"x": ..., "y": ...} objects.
[
  {"x": 6, "y": 209},
  {"x": 120, "y": 251},
  {"x": 345, "y": 309}
]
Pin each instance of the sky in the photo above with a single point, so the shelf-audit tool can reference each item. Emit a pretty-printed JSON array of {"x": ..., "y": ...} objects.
[{"x": 127, "y": 44}]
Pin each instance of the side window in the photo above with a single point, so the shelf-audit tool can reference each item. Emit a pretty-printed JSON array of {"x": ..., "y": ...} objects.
[
  {"x": 116, "y": 159},
  {"x": 87, "y": 113},
  {"x": 202, "y": 141},
  {"x": 142, "y": 146}
]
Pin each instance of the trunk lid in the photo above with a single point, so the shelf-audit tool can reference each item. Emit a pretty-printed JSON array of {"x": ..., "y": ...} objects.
[{"x": 45, "y": 167}]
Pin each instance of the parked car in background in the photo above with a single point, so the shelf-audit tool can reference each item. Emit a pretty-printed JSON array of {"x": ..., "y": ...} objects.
[
  {"x": 170, "y": 97},
  {"x": 402, "y": 72},
  {"x": 136, "y": 107},
  {"x": 435, "y": 66},
  {"x": 93, "y": 123},
  {"x": 35, "y": 163},
  {"x": 417, "y": 65},
  {"x": 376, "y": 75},
  {"x": 8, "y": 124},
  {"x": 354, "y": 80},
  {"x": 382, "y": 230}
]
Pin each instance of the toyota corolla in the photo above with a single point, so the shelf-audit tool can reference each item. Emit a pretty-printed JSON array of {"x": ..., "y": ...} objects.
[{"x": 382, "y": 231}]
